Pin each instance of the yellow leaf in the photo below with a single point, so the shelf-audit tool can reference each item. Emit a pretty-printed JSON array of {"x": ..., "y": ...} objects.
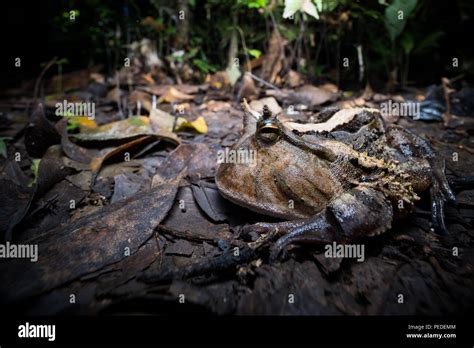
[
  {"x": 199, "y": 125},
  {"x": 83, "y": 122}
]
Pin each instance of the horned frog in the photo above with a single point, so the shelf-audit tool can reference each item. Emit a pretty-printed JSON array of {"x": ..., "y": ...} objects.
[{"x": 347, "y": 177}]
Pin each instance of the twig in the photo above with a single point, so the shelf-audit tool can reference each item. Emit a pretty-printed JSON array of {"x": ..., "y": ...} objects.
[
  {"x": 244, "y": 46},
  {"x": 206, "y": 265},
  {"x": 268, "y": 84},
  {"x": 119, "y": 104},
  {"x": 447, "y": 91},
  {"x": 38, "y": 80}
]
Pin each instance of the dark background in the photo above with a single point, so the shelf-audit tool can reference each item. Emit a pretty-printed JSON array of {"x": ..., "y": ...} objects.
[{"x": 29, "y": 31}]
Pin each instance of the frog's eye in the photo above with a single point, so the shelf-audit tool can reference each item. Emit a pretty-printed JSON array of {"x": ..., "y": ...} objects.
[{"x": 268, "y": 133}]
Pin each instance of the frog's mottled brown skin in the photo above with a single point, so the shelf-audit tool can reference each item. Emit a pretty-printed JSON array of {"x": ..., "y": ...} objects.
[{"x": 335, "y": 185}]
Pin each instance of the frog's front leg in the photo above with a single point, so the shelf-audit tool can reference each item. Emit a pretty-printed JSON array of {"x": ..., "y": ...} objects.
[
  {"x": 413, "y": 147},
  {"x": 362, "y": 211}
]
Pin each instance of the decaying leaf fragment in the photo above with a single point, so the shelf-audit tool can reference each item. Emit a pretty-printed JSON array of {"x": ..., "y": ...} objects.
[{"x": 89, "y": 243}]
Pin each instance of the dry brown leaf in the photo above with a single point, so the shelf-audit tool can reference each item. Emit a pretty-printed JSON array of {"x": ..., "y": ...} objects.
[
  {"x": 218, "y": 80},
  {"x": 148, "y": 79},
  {"x": 124, "y": 129},
  {"x": 113, "y": 95},
  {"x": 72, "y": 81},
  {"x": 294, "y": 79},
  {"x": 96, "y": 163},
  {"x": 346, "y": 104},
  {"x": 339, "y": 118},
  {"x": 142, "y": 97},
  {"x": 312, "y": 95},
  {"x": 163, "y": 121},
  {"x": 257, "y": 105},
  {"x": 247, "y": 89},
  {"x": 330, "y": 87},
  {"x": 216, "y": 105},
  {"x": 172, "y": 95}
]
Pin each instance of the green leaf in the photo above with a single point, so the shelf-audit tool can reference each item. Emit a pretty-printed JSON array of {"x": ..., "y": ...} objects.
[
  {"x": 34, "y": 168},
  {"x": 204, "y": 66},
  {"x": 429, "y": 41},
  {"x": 407, "y": 43},
  {"x": 253, "y": 3},
  {"x": 3, "y": 146},
  {"x": 254, "y": 53},
  {"x": 396, "y": 16},
  {"x": 327, "y": 5},
  {"x": 290, "y": 33},
  {"x": 257, "y": 4}
]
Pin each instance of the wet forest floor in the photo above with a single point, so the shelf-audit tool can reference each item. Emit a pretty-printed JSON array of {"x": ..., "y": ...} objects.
[{"x": 129, "y": 221}]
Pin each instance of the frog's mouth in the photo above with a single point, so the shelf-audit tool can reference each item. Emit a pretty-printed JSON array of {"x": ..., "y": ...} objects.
[{"x": 261, "y": 208}]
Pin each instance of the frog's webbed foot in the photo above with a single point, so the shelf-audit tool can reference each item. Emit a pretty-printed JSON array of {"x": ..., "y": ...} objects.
[
  {"x": 440, "y": 193},
  {"x": 360, "y": 212},
  {"x": 438, "y": 200}
]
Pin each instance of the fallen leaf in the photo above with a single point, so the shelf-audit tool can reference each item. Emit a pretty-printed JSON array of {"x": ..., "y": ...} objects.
[
  {"x": 330, "y": 87},
  {"x": 257, "y": 105},
  {"x": 72, "y": 81},
  {"x": 81, "y": 122},
  {"x": 88, "y": 244},
  {"x": 162, "y": 89},
  {"x": 181, "y": 247},
  {"x": 40, "y": 134},
  {"x": 191, "y": 222},
  {"x": 294, "y": 79},
  {"x": 210, "y": 201},
  {"x": 307, "y": 95},
  {"x": 339, "y": 118},
  {"x": 161, "y": 120},
  {"x": 218, "y": 80},
  {"x": 312, "y": 95},
  {"x": 172, "y": 95},
  {"x": 140, "y": 97},
  {"x": 124, "y": 188},
  {"x": 72, "y": 150},
  {"x": 97, "y": 162},
  {"x": 125, "y": 129},
  {"x": 199, "y": 125},
  {"x": 215, "y": 105}
]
